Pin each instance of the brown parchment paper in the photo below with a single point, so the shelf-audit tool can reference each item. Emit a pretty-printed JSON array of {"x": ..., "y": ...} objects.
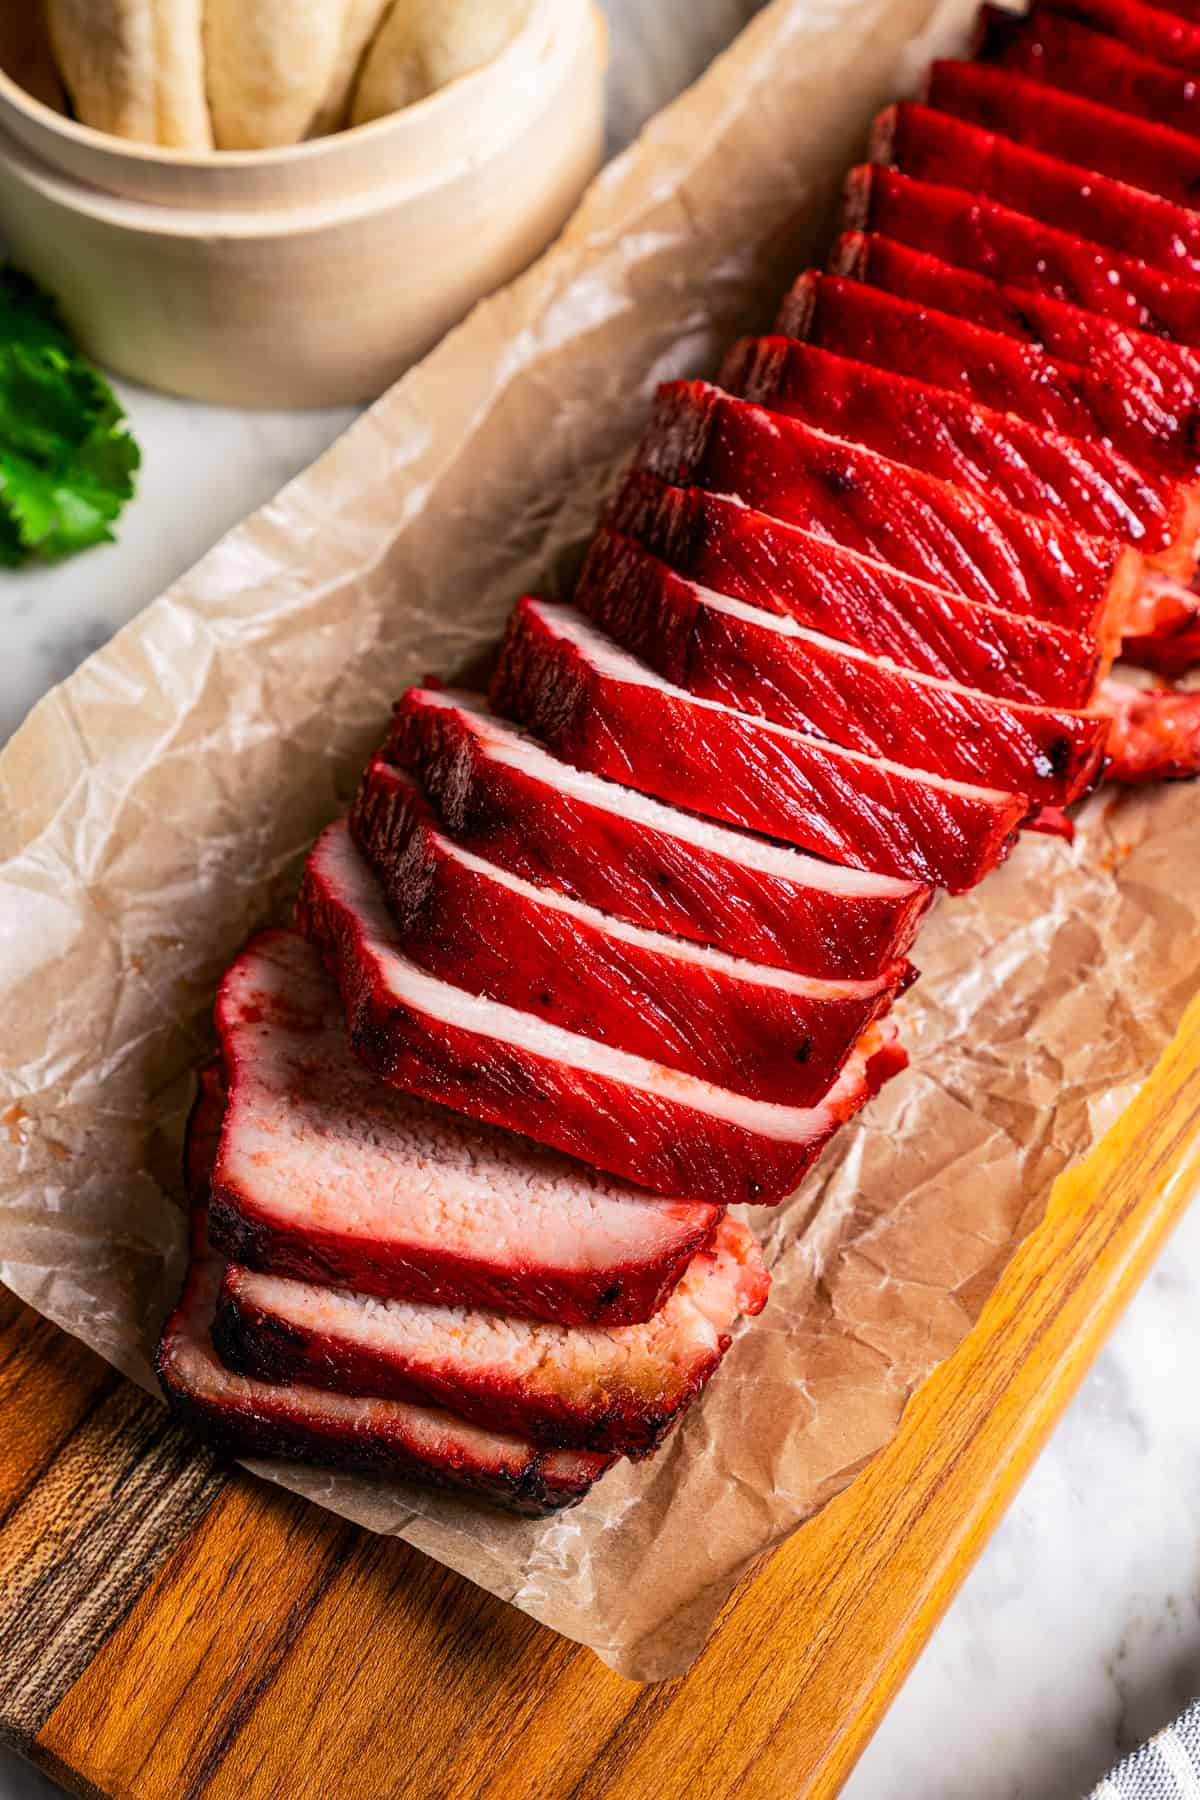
[{"x": 157, "y": 803}]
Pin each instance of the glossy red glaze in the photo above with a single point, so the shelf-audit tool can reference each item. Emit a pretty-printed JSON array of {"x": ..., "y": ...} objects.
[
  {"x": 1164, "y": 33},
  {"x": 984, "y": 550},
  {"x": 1064, "y": 331},
  {"x": 753, "y": 662},
  {"x": 655, "y": 1132},
  {"x": 851, "y": 807},
  {"x": 874, "y": 326},
  {"x": 1069, "y": 126},
  {"x": 1155, "y": 733},
  {"x": 1013, "y": 248},
  {"x": 1170, "y": 652},
  {"x": 729, "y": 1021},
  {"x": 597, "y": 849},
  {"x": 945, "y": 432},
  {"x": 1064, "y": 53},
  {"x": 934, "y": 147},
  {"x": 750, "y": 556}
]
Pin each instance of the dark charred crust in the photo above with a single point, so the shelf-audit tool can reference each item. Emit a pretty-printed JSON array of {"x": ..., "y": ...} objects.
[
  {"x": 532, "y": 1492},
  {"x": 253, "y": 1342}
]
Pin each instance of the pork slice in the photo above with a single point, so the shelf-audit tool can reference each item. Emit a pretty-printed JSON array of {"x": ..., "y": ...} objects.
[
  {"x": 1163, "y": 32},
  {"x": 327, "y": 1174},
  {"x": 249, "y": 1417},
  {"x": 504, "y": 797},
  {"x": 761, "y": 1031},
  {"x": 599, "y": 708},
  {"x": 656, "y": 1126},
  {"x": 1069, "y": 126},
  {"x": 1155, "y": 733},
  {"x": 1150, "y": 507},
  {"x": 616, "y": 1389},
  {"x": 1011, "y": 246},
  {"x": 944, "y": 431},
  {"x": 723, "y": 649},
  {"x": 937, "y": 148},
  {"x": 871, "y": 325},
  {"x": 869, "y": 503},
  {"x": 1061, "y": 52},
  {"x": 733, "y": 549}
]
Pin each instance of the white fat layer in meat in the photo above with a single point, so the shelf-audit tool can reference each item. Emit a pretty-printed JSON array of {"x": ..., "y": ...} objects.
[
  {"x": 658, "y": 943},
  {"x": 517, "y": 750},
  {"x": 609, "y": 660},
  {"x": 851, "y": 653},
  {"x": 313, "y": 1136},
  {"x": 346, "y": 875},
  {"x": 793, "y": 532},
  {"x": 581, "y": 1363}
]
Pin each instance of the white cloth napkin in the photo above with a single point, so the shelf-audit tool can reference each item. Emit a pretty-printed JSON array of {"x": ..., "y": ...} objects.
[{"x": 1167, "y": 1768}]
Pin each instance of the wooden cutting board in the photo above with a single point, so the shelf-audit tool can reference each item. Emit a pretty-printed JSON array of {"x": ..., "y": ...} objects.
[{"x": 170, "y": 1628}]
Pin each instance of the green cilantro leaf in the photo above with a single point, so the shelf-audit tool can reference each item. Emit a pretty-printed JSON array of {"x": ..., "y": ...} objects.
[{"x": 67, "y": 462}]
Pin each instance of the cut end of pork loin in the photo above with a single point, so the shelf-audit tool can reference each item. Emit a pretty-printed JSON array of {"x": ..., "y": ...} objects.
[
  {"x": 503, "y": 796},
  {"x": 327, "y": 1174},
  {"x": 606, "y": 712},
  {"x": 655, "y": 1126},
  {"x": 617, "y": 1389},
  {"x": 1155, "y": 733},
  {"x": 247, "y": 1417},
  {"x": 723, "y": 649},
  {"x": 736, "y": 550},
  {"x": 983, "y": 549},
  {"x": 761, "y": 1031}
]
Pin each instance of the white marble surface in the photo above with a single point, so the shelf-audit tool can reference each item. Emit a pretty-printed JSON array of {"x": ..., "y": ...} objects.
[{"x": 1079, "y": 1630}]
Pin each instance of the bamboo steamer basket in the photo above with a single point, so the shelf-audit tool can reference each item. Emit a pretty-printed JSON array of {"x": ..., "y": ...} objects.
[{"x": 311, "y": 275}]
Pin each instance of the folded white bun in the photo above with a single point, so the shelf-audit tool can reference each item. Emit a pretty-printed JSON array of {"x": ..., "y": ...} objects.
[
  {"x": 134, "y": 68},
  {"x": 359, "y": 26},
  {"x": 269, "y": 66},
  {"x": 423, "y": 44}
]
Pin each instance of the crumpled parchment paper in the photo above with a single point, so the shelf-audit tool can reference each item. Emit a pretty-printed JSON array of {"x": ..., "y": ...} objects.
[{"x": 156, "y": 806}]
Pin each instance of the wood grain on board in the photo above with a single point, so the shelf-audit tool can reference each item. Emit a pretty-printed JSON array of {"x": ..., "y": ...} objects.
[{"x": 169, "y": 1629}]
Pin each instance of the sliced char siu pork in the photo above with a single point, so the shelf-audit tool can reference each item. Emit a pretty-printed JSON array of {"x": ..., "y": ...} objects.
[
  {"x": 1156, "y": 733},
  {"x": 868, "y": 503},
  {"x": 247, "y": 1417},
  {"x": 598, "y": 707},
  {"x": 1166, "y": 33},
  {"x": 731, "y": 549},
  {"x": 1066, "y": 332},
  {"x": 1063, "y": 53},
  {"x": 614, "y": 1389},
  {"x": 656, "y": 1126},
  {"x": 765, "y": 1032},
  {"x": 504, "y": 797},
  {"x": 871, "y": 325},
  {"x": 610, "y": 1389},
  {"x": 946, "y": 433},
  {"x": 327, "y": 1174},
  {"x": 1022, "y": 252},
  {"x": 1070, "y": 127},
  {"x": 934, "y": 147},
  {"x": 722, "y": 649}
]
